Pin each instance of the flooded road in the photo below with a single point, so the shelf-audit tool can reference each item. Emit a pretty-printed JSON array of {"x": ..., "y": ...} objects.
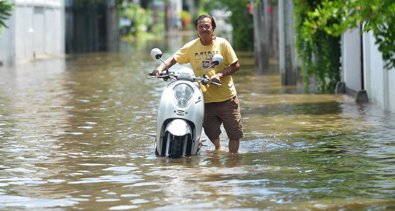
[{"x": 75, "y": 134}]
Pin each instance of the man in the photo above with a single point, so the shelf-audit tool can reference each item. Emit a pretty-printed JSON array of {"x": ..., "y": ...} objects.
[{"x": 221, "y": 102}]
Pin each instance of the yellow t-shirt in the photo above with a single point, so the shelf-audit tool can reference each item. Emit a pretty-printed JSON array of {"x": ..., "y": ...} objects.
[{"x": 199, "y": 56}]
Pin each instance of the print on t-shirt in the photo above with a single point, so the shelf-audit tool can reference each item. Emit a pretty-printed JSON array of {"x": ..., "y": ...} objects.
[{"x": 206, "y": 57}]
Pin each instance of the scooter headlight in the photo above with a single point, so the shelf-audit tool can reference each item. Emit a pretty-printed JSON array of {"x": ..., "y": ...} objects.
[{"x": 183, "y": 95}]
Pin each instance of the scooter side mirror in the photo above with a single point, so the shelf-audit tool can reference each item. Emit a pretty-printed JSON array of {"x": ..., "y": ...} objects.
[
  {"x": 156, "y": 53},
  {"x": 217, "y": 59}
]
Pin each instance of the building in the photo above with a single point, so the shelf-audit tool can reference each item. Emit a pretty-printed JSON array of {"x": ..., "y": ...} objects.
[
  {"x": 35, "y": 30},
  {"x": 51, "y": 28},
  {"x": 91, "y": 26}
]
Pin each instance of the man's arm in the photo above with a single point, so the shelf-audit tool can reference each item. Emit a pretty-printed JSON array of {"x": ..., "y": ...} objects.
[
  {"x": 230, "y": 69},
  {"x": 169, "y": 62},
  {"x": 227, "y": 71}
]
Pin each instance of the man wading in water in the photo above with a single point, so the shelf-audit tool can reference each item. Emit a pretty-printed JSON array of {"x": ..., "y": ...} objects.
[{"x": 221, "y": 102}]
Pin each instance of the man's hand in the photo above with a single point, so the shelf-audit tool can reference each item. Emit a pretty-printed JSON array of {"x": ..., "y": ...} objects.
[
  {"x": 216, "y": 79},
  {"x": 154, "y": 73}
]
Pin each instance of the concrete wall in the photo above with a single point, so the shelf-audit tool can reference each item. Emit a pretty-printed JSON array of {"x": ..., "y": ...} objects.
[
  {"x": 351, "y": 59},
  {"x": 7, "y": 49},
  {"x": 378, "y": 82},
  {"x": 35, "y": 30}
]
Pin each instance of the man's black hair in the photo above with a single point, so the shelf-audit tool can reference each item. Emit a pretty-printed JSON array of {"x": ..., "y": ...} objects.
[{"x": 213, "y": 24}]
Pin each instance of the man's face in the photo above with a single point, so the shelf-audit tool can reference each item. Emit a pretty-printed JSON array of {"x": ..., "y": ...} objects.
[{"x": 204, "y": 28}]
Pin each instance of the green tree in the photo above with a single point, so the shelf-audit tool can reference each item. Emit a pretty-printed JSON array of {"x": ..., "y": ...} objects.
[
  {"x": 241, "y": 20},
  {"x": 319, "y": 50},
  {"x": 377, "y": 16},
  {"x": 5, "y": 12},
  {"x": 141, "y": 18}
]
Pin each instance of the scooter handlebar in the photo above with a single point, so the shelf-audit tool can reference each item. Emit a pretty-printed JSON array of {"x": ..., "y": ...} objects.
[
  {"x": 164, "y": 76},
  {"x": 204, "y": 80}
]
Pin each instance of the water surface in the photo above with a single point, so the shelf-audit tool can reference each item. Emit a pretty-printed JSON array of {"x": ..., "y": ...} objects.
[{"x": 75, "y": 134}]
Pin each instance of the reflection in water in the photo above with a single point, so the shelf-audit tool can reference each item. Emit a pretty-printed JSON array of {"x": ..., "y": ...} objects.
[{"x": 74, "y": 134}]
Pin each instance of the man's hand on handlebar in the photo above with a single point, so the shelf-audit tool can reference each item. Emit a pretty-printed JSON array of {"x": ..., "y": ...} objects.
[
  {"x": 163, "y": 75},
  {"x": 154, "y": 73},
  {"x": 216, "y": 79}
]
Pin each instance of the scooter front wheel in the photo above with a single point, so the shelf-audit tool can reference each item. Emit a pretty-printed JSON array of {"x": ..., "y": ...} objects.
[{"x": 176, "y": 146}]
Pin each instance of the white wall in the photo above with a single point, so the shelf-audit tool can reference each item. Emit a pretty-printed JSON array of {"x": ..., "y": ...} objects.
[
  {"x": 391, "y": 90},
  {"x": 351, "y": 59},
  {"x": 35, "y": 30},
  {"x": 379, "y": 82},
  {"x": 7, "y": 50}
]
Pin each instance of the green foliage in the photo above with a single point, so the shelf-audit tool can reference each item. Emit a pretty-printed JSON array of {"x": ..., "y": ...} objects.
[
  {"x": 318, "y": 50},
  {"x": 377, "y": 16},
  {"x": 209, "y": 5},
  {"x": 5, "y": 11},
  {"x": 186, "y": 19},
  {"x": 241, "y": 20},
  {"x": 141, "y": 19}
]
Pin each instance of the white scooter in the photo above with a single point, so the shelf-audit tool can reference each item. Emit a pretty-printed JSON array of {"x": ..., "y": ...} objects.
[{"x": 181, "y": 110}]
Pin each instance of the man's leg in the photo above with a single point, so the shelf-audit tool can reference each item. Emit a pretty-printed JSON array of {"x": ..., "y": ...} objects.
[
  {"x": 231, "y": 118},
  {"x": 212, "y": 124},
  {"x": 216, "y": 143},
  {"x": 234, "y": 145}
]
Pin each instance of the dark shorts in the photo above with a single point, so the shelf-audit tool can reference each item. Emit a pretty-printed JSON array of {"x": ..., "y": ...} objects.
[{"x": 227, "y": 113}]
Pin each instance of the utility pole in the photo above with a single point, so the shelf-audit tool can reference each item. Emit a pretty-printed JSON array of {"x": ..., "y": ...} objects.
[
  {"x": 191, "y": 7},
  {"x": 286, "y": 42},
  {"x": 261, "y": 34}
]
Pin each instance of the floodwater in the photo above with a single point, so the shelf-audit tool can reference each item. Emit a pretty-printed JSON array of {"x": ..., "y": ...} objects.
[{"x": 75, "y": 133}]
